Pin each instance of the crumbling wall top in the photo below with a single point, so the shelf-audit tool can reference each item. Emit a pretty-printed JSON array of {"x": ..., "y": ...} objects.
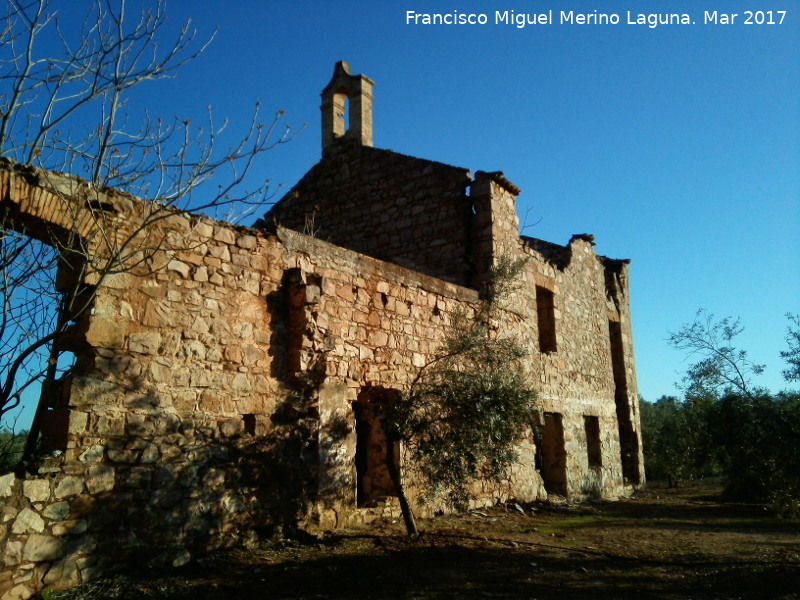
[{"x": 499, "y": 179}]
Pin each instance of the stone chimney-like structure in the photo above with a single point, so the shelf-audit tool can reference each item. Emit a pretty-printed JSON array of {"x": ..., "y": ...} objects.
[{"x": 345, "y": 89}]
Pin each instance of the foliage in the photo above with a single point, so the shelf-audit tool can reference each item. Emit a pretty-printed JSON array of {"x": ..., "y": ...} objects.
[
  {"x": 29, "y": 307},
  {"x": 725, "y": 423},
  {"x": 792, "y": 354},
  {"x": 674, "y": 435},
  {"x": 759, "y": 447},
  {"x": 464, "y": 417},
  {"x": 469, "y": 405},
  {"x": 66, "y": 90},
  {"x": 752, "y": 440},
  {"x": 11, "y": 446},
  {"x": 69, "y": 87},
  {"x": 722, "y": 368}
]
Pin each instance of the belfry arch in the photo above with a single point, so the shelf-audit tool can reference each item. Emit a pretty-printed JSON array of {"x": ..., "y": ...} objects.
[{"x": 351, "y": 95}]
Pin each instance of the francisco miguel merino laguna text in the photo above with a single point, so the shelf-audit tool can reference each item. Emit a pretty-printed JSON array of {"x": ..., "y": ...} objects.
[{"x": 565, "y": 17}]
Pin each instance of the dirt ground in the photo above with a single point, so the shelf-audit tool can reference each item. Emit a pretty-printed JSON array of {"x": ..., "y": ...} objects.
[{"x": 682, "y": 543}]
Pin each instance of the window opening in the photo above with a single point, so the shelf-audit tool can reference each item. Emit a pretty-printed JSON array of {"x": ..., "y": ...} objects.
[
  {"x": 249, "y": 424},
  {"x": 593, "y": 450},
  {"x": 546, "y": 317},
  {"x": 628, "y": 440}
]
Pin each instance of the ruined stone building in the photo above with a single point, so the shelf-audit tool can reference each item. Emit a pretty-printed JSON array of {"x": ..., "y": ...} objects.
[{"x": 225, "y": 386}]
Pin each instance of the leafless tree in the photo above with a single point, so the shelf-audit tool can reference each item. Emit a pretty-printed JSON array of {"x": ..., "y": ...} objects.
[{"x": 66, "y": 105}]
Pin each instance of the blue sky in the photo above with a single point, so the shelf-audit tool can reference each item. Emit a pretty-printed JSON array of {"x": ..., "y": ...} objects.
[{"x": 676, "y": 146}]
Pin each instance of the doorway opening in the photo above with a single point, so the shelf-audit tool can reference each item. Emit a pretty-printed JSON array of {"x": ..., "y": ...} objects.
[
  {"x": 553, "y": 456},
  {"x": 373, "y": 480}
]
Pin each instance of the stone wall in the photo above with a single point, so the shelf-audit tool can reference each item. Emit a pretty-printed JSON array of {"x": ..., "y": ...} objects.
[
  {"x": 372, "y": 325},
  {"x": 575, "y": 377},
  {"x": 400, "y": 209},
  {"x": 212, "y": 398},
  {"x": 589, "y": 371},
  {"x": 182, "y": 431}
]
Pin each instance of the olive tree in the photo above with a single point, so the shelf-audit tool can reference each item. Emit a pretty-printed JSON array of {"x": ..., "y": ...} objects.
[
  {"x": 747, "y": 432},
  {"x": 792, "y": 354},
  {"x": 722, "y": 368},
  {"x": 676, "y": 440},
  {"x": 466, "y": 409}
]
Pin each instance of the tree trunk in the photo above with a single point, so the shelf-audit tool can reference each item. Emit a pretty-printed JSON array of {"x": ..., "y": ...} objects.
[{"x": 396, "y": 475}]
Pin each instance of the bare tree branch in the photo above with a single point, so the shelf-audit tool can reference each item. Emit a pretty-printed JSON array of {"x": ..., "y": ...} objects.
[
  {"x": 722, "y": 367},
  {"x": 66, "y": 98}
]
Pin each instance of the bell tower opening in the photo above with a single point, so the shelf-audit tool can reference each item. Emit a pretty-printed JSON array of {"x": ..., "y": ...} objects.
[{"x": 347, "y": 108}]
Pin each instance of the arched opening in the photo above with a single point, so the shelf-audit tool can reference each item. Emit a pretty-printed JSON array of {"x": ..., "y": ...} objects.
[
  {"x": 341, "y": 113},
  {"x": 347, "y": 108},
  {"x": 346, "y": 116}
]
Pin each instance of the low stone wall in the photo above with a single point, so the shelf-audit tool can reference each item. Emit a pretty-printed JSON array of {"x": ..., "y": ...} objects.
[{"x": 160, "y": 504}]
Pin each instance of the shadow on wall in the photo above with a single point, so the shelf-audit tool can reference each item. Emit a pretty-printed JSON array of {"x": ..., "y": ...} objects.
[
  {"x": 154, "y": 488},
  {"x": 593, "y": 484}
]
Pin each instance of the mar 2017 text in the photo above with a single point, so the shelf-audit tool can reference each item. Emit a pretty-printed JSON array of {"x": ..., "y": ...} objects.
[{"x": 521, "y": 20}]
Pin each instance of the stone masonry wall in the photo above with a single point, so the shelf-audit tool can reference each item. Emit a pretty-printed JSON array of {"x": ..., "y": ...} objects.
[
  {"x": 178, "y": 437},
  {"x": 576, "y": 378},
  {"x": 212, "y": 399},
  {"x": 403, "y": 210},
  {"x": 373, "y": 325}
]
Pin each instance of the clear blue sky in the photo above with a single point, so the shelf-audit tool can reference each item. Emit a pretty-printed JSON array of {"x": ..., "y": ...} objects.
[{"x": 676, "y": 146}]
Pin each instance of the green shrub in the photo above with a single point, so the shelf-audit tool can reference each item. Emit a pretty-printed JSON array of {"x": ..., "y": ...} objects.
[
  {"x": 11, "y": 447},
  {"x": 759, "y": 443}
]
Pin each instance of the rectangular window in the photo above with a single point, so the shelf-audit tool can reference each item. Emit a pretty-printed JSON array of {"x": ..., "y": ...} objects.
[
  {"x": 592, "y": 426},
  {"x": 546, "y": 316},
  {"x": 249, "y": 424}
]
